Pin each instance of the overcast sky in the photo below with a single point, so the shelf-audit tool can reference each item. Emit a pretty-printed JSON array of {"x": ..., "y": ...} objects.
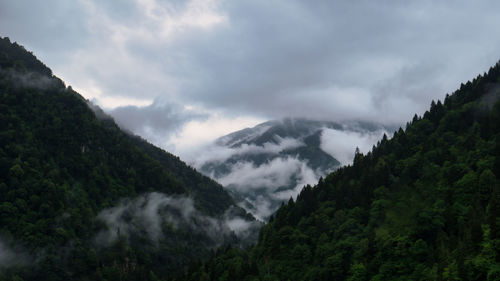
[{"x": 181, "y": 72}]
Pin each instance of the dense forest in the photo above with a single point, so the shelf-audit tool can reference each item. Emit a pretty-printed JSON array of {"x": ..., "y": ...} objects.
[
  {"x": 422, "y": 205},
  {"x": 63, "y": 163}
]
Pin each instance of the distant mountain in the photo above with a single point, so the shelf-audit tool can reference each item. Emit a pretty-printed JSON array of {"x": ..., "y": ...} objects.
[
  {"x": 82, "y": 200},
  {"x": 265, "y": 165}
]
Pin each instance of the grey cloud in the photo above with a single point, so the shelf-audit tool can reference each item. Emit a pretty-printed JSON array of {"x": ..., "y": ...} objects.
[
  {"x": 329, "y": 60},
  {"x": 128, "y": 10},
  {"x": 492, "y": 95},
  {"x": 260, "y": 206},
  {"x": 155, "y": 122},
  {"x": 148, "y": 213},
  {"x": 12, "y": 255},
  {"x": 285, "y": 59},
  {"x": 30, "y": 79},
  {"x": 53, "y": 27}
]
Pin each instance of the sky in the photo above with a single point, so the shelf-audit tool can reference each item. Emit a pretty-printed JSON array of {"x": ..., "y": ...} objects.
[{"x": 181, "y": 73}]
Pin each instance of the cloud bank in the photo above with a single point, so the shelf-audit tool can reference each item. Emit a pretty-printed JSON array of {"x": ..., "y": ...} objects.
[
  {"x": 156, "y": 122},
  {"x": 272, "y": 175},
  {"x": 330, "y": 60},
  {"x": 152, "y": 212},
  {"x": 323, "y": 60}
]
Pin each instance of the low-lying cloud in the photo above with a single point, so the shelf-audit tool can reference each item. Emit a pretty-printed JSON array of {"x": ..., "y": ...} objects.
[
  {"x": 29, "y": 79},
  {"x": 220, "y": 153},
  {"x": 277, "y": 173},
  {"x": 151, "y": 212},
  {"x": 12, "y": 255},
  {"x": 263, "y": 187},
  {"x": 156, "y": 122}
]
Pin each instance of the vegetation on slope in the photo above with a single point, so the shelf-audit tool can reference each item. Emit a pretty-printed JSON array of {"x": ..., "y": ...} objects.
[
  {"x": 60, "y": 166},
  {"x": 424, "y": 205}
]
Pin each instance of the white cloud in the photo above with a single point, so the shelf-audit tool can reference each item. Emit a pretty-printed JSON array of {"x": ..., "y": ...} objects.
[
  {"x": 195, "y": 138},
  {"x": 270, "y": 180},
  {"x": 306, "y": 176},
  {"x": 217, "y": 153},
  {"x": 341, "y": 144},
  {"x": 272, "y": 175},
  {"x": 196, "y": 14}
]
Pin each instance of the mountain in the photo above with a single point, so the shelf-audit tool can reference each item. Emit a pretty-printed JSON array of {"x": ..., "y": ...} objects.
[
  {"x": 423, "y": 205},
  {"x": 265, "y": 165},
  {"x": 82, "y": 200}
]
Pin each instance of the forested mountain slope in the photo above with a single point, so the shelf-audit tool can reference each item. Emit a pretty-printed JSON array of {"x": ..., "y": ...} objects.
[
  {"x": 423, "y": 205},
  {"x": 64, "y": 178}
]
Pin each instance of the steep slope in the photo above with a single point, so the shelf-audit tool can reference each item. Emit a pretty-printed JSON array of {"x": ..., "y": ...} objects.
[
  {"x": 265, "y": 165},
  {"x": 84, "y": 200},
  {"x": 424, "y": 205}
]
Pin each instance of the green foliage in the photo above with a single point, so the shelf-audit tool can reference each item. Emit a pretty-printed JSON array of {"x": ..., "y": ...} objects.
[
  {"x": 423, "y": 205},
  {"x": 60, "y": 166}
]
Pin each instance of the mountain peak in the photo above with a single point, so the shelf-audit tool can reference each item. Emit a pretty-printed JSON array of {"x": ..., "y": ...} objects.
[{"x": 265, "y": 165}]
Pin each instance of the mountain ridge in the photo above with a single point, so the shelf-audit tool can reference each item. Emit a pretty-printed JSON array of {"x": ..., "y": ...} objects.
[{"x": 86, "y": 200}]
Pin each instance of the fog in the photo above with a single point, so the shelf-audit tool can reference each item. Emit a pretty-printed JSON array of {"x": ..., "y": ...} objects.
[
  {"x": 12, "y": 255},
  {"x": 152, "y": 212}
]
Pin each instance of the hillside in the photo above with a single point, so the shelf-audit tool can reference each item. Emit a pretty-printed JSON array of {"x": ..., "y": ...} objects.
[
  {"x": 423, "y": 205},
  {"x": 82, "y": 200},
  {"x": 265, "y": 165}
]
